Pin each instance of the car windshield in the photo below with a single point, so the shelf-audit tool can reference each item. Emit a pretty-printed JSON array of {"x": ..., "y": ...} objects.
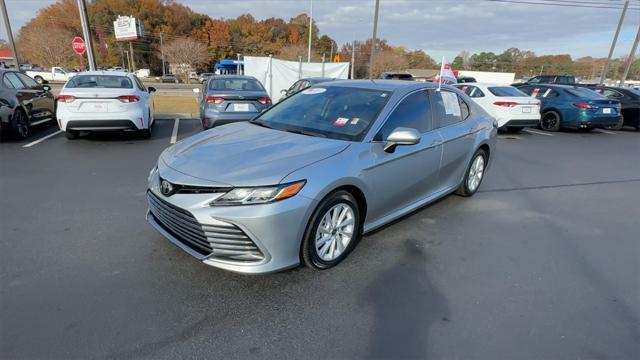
[
  {"x": 505, "y": 91},
  {"x": 235, "y": 84},
  {"x": 99, "y": 81},
  {"x": 334, "y": 112},
  {"x": 585, "y": 93}
]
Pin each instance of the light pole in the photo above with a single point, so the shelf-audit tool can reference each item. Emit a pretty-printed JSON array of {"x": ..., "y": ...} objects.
[
  {"x": 87, "y": 34},
  {"x": 7, "y": 27},
  {"x": 630, "y": 58},
  {"x": 613, "y": 43},
  {"x": 373, "y": 42},
  {"x": 310, "y": 31},
  {"x": 353, "y": 60},
  {"x": 162, "y": 52}
]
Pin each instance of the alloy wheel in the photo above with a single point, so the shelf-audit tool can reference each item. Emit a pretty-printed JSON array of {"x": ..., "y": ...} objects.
[
  {"x": 549, "y": 121},
  {"x": 476, "y": 171},
  {"x": 21, "y": 125},
  {"x": 335, "y": 232}
]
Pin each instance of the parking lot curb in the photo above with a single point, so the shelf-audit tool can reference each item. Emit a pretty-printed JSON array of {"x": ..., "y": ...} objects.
[{"x": 164, "y": 116}]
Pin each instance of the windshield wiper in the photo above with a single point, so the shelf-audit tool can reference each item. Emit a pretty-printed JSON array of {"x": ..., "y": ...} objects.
[
  {"x": 260, "y": 123},
  {"x": 307, "y": 133}
]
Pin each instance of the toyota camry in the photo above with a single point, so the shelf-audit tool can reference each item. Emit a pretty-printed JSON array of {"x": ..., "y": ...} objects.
[{"x": 303, "y": 181}]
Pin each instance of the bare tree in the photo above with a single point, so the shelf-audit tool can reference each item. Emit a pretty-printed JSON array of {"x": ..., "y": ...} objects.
[
  {"x": 388, "y": 60},
  {"x": 186, "y": 54},
  {"x": 39, "y": 45},
  {"x": 292, "y": 52}
]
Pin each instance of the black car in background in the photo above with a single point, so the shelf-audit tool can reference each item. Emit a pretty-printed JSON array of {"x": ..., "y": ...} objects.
[
  {"x": 169, "y": 78},
  {"x": 23, "y": 103},
  {"x": 302, "y": 84},
  {"x": 550, "y": 79},
  {"x": 396, "y": 76},
  {"x": 629, "y": 100}
]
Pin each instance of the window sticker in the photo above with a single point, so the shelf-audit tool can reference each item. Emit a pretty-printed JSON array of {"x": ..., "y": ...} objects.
[
  {"x": 383, "y": 95},
  {"x": 354, "y": 121},
  {"x": 450, "y": 101},
  {"x": 546, "y": 93},
  {"x": 473, "y": 91},
  {"x": 313, "y": 91},
  {"x": 341, "y": 121},
  {"x": 535, "y": 92}
]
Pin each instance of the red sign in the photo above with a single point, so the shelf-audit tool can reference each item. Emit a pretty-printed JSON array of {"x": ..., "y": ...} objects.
[{"x": 78, "y": 45}]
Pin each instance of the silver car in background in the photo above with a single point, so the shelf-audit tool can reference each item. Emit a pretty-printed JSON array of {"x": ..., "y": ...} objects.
[
  {"x": 304, "y": 180},
  {"x": 231, "y": 98}
]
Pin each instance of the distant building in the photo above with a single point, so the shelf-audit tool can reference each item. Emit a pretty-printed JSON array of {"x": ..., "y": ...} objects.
[
  {"x": 424, "y": 74},
  {"x": 7, "y": 58}
]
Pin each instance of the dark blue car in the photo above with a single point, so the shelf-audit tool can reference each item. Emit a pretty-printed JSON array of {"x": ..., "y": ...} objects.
[{"x": 573, "y": 107}]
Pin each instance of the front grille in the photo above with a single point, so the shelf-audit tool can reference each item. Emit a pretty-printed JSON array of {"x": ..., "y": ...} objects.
[{"x": 225, "y": 242}]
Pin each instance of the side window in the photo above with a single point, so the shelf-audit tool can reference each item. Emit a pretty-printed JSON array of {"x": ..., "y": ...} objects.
[
  {"x": 471, "y": 91},
  {"x": 525, "y": 89},
  {"x": 15, "y": 82},
  {"x": 6, "y": 82},
  {"x": 413, "y": 112},
  {"x": 464, "y": 109},
  {"x": 59, "y": 71},
  {"x": 540, "y": 92},
  {"x": 534, "y": 80},
  {"x": 448, "y": 110},
  {"x": 139, "y": 83},
  {"x": 611, "y": 94},
  {"x": 294, "y": 88},
  {"x": 31, "y": 84}
]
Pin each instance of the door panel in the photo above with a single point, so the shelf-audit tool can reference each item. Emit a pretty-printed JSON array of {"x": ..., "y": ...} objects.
[
  {"x": 403, "y": 177},
  {"x": 458, "y": 142}
]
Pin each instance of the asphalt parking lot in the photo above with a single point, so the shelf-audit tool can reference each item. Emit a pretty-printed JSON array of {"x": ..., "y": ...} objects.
[{"x": 543, "y": 263}]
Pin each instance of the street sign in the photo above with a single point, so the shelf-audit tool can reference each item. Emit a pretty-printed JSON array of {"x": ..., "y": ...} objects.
[
  {"x": 128, "y": 28},
  {"x": 78, "y": 45}
]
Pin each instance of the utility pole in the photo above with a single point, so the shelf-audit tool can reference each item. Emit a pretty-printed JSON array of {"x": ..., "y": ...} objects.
[
  {"x": 128, "y": 61},
  {"x": 84, "y": 20},
  {"x": 238, "y": 65},
  {"x": 133, "y": 59},
  {"x": 7, "y": 27},
  {"x": 613, "y": 43},
  {"x": 353, "y": 60},
  {"x": 323, "y": 64},
  {"x": 310, "y": 31},
  {"x": 630, "y": 58},
  {"x": 162, "y": 52},
  {"x": 331, "y": 53},
  {"x": 373, "y": 42}
]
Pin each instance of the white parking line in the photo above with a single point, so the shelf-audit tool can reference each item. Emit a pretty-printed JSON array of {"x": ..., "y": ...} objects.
[
  {"x": 536, "y": 132},
  {"x": 605, "y": 132},
  {"x": 41, "y": 139},
  {"x": 174, "y": 134}
]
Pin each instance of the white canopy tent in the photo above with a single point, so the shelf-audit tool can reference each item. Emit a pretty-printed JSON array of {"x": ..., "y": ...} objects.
[{"x": 276, "y": 74}]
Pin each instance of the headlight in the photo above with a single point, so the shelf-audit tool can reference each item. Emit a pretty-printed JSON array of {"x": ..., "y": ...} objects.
[{"x": 259, "y": 195}]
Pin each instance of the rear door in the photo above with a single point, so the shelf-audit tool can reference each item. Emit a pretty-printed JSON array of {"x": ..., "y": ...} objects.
[{"x": 458, "y": 131}]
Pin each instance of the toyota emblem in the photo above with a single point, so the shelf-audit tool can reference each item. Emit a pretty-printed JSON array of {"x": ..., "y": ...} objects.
[{"x": 166, "y": 188}]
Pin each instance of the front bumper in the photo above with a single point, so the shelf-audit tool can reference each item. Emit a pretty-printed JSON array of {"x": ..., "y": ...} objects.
[{"x": 275, "y": 229}]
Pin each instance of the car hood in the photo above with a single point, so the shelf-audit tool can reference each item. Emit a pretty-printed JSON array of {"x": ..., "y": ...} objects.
[{"x": 243, "y": 154}]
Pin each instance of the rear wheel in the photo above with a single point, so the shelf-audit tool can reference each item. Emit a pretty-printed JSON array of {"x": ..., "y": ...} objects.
[
  {"x": 550, "y": 121},
  {"x": 20, "y": 125},
  {"x": 39, "y": 80},
  {"x": 332, "y": 232},
  {"x": 72, "y": 134},
  {"x": 475, "y": 174},
  {"x": 619, "y": 125}
]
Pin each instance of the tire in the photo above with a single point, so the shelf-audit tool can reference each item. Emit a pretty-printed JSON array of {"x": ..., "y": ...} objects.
[
  {"x": 514, "y": 129},
  {"x": 20, "y": 125},
  {"x": 323, "y": 255},
  {"x": 39, "y": 80},
  {"x": 619, "y": 125},
  {"x": 71, "y": 134},
  {"x": 550, "y": 121},
  {"x": 478, "y": 162}
]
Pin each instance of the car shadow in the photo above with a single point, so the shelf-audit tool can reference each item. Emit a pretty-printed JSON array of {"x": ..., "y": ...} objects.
[{"x": 406, "y": 304}]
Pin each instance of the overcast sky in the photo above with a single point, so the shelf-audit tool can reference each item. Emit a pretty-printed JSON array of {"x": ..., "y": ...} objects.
[{"x": 439, "y": 27}]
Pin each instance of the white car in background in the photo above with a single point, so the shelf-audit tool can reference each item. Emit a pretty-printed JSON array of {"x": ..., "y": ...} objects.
[
  {"x": 513, "y": 109},
  {"x": 103, "y": 101}
]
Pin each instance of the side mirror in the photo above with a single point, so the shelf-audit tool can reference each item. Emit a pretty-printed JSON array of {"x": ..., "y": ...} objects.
[
  {"x": 46, "y": 87},
  {"x": 284, "y": 92},
  {"x": 196, "y": 91},
  {"x": 401, "y": 136},
  {"x": 151, "y": 89}
]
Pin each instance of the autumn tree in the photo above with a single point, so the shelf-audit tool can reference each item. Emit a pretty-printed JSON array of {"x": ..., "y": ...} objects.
[
  {"x": 186, "y": 54},
  {"x": 39, "y": 45}
]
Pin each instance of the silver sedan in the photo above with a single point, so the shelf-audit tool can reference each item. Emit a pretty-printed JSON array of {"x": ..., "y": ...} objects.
[{"x": 306, "y": 179}]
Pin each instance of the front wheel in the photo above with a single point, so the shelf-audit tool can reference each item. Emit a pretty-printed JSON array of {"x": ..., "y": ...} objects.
[
  {"x": 475, "y": 174},
  {"x": 20, "y": 125},
  {"x": 332, "y": 232}
]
